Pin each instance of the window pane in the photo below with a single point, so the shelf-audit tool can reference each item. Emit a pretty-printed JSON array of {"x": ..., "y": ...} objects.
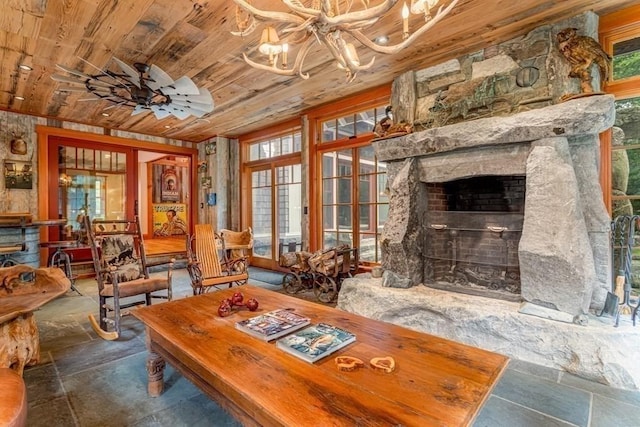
[
  {"x": 383, "y": 214},
  {"x": 275, "y": 147},
  {"x": 288, "y": 174},
  {"x": 344, "y": 218},
  {"x": 329, "y": 131},
  {"x": 329, "y": 239},
  {"x": 367, "y": 247},
  {"x": 345, "y": 239},
  {"x": 287, "y": 144},
  {"x": 366, "y": 217},
  {"x": 254, "y": 151},
  {"x": 289, "y": 213},
  {"x": 261, "y": 178},
  {"x": 625, "y": 163},
  {"x": 365, "y": 121},
  {"x": 345, "y": 159},
  {"x": 297, "y": 142},
  {"x": 367, "y": 159},
  {"x": 382, "y": 188},
  {"x": 327, "y": 164},
  {"x": 328, "y": 197},
  {"x": 344, "y": 190},
  {"x": 346, "y": 128},
  {"x": 328, "y": 217},
  {"x": 626, "y": 59},
  {"x": 261, "y": 221},
  {"x": 365, "y": 189},
  {"x": 121, "y": 161}
]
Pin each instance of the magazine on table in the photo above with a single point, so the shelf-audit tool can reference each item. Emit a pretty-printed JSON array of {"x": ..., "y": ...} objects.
[
  {"x": 272, "y": 325},
  {"x": 315, "y": 342}
]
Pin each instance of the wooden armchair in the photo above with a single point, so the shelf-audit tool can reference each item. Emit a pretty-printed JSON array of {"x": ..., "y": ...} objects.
[
  {"x": 237, "y": 245},
  {"x": 119, "y": 258},
  {"x": 208, "y": 263}
]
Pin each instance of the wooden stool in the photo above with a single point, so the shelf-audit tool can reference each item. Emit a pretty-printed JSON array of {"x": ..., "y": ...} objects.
[{"x": 61, "y": 259}]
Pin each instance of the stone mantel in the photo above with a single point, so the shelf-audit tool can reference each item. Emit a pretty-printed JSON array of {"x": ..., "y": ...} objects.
[{"x": 583, "y": 116}]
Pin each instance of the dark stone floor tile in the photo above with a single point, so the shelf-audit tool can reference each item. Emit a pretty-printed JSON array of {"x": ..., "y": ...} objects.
[
  {"x": 613, "y": 413},
  {"x": 558, "y": 401},
  {"x": 199, "y": 411},
  {"x": 498, "y": 412},
  {"x": 55, "y": 412},
  {"x": 628, "y": 396},
  {"x": 115, "y": 394},
  {"x": 535, "y": 370},
  {"x": 95, "y": 353},
  {"x": 42, "y": 384}
]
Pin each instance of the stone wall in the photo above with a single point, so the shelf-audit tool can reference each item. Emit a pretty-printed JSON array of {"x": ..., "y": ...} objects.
[{"x": 521, "y": 74}]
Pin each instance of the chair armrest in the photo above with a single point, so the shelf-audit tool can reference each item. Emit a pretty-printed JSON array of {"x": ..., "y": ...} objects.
[{"x": 13, "y": 399}]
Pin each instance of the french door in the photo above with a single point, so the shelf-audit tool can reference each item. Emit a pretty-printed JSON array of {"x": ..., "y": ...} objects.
[{"x": 275, "y": 210}]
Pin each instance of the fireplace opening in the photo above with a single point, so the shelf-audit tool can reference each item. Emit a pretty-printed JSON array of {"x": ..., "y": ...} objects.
[{"x": 473, "y": 227}]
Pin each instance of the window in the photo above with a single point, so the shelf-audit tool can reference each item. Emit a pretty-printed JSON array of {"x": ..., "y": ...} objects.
[
  {"x": 274, "y": 147},
  {"x": 625, "y": 158},
  {"x": 354, "y": 203},
  {"x": 352, "y": 125}
]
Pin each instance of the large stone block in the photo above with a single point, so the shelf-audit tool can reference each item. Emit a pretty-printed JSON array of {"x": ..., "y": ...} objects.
[
  {"x": 556, "y": 260},
  {"x": 403, "y": 232},
  {"x": 597, "y": 351}
]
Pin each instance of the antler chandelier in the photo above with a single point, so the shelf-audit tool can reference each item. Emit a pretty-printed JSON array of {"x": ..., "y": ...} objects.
[{"x": 324, "y": 22}]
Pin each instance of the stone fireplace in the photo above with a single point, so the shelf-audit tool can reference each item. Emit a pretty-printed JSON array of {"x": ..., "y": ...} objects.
[{"x": 508, "y": 208}]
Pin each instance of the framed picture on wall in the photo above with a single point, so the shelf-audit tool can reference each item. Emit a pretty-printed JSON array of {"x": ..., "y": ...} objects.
[
  {"x": 210, "y": 148},
  {"x": 18, "y": 175}
]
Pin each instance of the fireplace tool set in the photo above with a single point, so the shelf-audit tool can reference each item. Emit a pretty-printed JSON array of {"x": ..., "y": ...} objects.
[{"x": 623, "y": 230}]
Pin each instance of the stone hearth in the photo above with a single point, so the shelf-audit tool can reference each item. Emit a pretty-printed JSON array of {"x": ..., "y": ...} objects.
[{"x": 596, "y": 351}]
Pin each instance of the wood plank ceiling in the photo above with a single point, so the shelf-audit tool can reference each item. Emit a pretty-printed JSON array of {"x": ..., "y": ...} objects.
[{"x": 192, "y": 37}]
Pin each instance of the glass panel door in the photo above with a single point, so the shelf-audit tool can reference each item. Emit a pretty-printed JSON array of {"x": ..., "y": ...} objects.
[
  {"x": 261, "y": 213},
  {"x": 289, "y": 213},
  {"x": 276, "y": 210}
]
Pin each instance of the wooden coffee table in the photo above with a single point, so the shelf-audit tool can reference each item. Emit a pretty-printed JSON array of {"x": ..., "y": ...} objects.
[{"x": 436, "y": 381}]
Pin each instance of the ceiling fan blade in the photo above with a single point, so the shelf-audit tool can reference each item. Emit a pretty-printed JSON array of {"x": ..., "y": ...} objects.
[
  {"x": 183, "y": 86},
  {"x": 189, "y": 103},
  {"x": 158, "y": 78},
  {"x": 81, "y": 89},
  {"x": 160, "y": 112},
  {"x": 134, "y": 76},
  {"x": 74, "y": 72},
  {"x": 177, "y": 111},
  {"x": 139, "y": 109},
  {"x": 203, "y": 97},
  {"x": 66, "y": 79}
]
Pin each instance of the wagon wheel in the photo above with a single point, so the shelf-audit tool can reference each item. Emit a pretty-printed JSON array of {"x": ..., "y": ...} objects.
[
  {"x": 325, "y": 289},
  {"x": 291, "y": 283}
]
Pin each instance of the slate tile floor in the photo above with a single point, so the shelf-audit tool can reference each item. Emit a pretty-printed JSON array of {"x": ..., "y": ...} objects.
[{"x": 85, "y": 381}]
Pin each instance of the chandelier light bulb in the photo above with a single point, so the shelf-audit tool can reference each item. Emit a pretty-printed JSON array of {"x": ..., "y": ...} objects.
[{"x": 405, "y": 21}]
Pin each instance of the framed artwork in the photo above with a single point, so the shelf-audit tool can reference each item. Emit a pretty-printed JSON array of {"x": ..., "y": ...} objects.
[
  {"x": 170, "y": 186},
  {"x": 18, "y": 175},
  {"x": 205, "y": 182},
  {"x": 210, "y": 148}
]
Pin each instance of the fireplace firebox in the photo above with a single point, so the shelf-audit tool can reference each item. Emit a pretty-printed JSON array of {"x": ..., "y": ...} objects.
[{"x": 473, "y": 227}]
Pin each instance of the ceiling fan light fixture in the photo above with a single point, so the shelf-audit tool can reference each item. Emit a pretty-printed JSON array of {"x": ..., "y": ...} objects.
[{"x": 143, "y": 87}]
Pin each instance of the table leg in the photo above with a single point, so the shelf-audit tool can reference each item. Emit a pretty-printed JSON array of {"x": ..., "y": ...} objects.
[{"x": 155, "y": 369}]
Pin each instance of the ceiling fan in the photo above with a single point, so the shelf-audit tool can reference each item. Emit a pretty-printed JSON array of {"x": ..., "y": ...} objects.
[{"x": 143, "y": 87}]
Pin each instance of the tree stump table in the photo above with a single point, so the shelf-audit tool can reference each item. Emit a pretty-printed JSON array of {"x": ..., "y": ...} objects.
[{"x": 24, "y": 289}]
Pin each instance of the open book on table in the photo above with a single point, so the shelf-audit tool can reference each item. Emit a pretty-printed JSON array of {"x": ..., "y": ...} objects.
[
  {"x": 315, "y": 342},
  {"x": 272, "y": 325}
]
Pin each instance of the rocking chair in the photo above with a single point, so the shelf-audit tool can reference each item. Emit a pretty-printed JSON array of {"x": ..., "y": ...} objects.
[{"x": 119, "y": 258}]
